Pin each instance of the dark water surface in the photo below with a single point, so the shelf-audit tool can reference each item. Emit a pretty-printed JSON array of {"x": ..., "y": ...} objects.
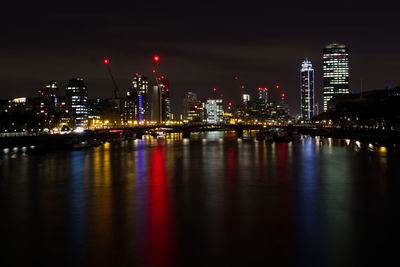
[{"x": 212, "y": 201}]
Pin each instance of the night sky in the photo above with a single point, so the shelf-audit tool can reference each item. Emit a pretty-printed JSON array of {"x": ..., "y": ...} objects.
[{"x": 202, "y": 45}]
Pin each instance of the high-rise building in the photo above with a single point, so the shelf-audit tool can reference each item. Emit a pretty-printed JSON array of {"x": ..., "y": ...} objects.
[
  {"x": 77, "y": 97},
  {"x": 245, "y": 99},
  {"x": 307, "y": 90},
  {"x": 136, "y": 102},
  {"x": 48, "y": 103},
  {"x": 263, "y": 94},
  {"x": 140, "y": 87},
  {"x": 336, "y": 71},
  {"x": 192, "y": 108},
  {"x": 165, "y": 104},
  {"x": 214, "y": 111},
  {"x": 156, "y": 104}
]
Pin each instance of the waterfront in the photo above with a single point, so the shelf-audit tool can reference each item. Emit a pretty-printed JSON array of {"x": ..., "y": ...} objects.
[{"x": 210, "y": 200}]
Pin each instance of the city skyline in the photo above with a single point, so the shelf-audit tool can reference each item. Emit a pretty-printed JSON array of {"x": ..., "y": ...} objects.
[{"x": 196, "y": 60}]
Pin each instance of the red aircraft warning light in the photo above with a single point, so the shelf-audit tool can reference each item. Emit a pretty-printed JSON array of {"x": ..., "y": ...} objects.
[
  {"x": 106, "y": 61},
  {"x": 230, "y": 104},
  {"x": 242, "y": 86},
  {"x": 277, "y": 86},
  {"x": 156, "y": 58},
  {"x": 214, "y": 89},
  {"x": 283, "y": 95}
]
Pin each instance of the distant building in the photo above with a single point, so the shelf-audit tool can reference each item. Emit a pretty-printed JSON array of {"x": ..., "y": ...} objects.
[
  {"x": 307, "y": 90},
  {"x": 77, "y": 95},
  {"x": 214, "y": 111},
  {"x": 108, "y": 111},
  {"x": 263, "y": 94},
  {"x": 139, "y": 93},
  {"x": 166, "y": 114},
  {"x": 193, "y": 110},
  {"x": 48, "y": 103},
  {"x": 63, "y": 111},
  {"x": 245, "y": 99},
  {"x": 131, "y": 109},
  {"x": 377, "y": 109},
  {"x": 156, "y": 114},
  {"x": 336, "y": 71}
]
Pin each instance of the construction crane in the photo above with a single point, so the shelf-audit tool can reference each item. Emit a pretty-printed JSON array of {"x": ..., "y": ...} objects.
[
  {"x": 160, "y": 80},
  {"x": 107, "y": 63},
  {"x": 241, "y": 84}
]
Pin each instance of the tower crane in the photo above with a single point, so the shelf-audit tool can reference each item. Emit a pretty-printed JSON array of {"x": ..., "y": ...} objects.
[{"x": 107, "y": 63}]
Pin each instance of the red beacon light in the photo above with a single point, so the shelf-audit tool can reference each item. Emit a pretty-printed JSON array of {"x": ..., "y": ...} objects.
[
  {"x": 154, "y": 71},
  {"x": 277, "y": 86},
  {"x": 156, "y": 58},
  {"x": 230, "y": 104},
  {"x": 214, "y": 89},
  {"x": 242, "y": 86},
  {"x": 283, "y": 95},
  {"x": 106, "y": 61}
]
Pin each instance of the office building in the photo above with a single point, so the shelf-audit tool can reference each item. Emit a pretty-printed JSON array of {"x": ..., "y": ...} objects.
[
  {"x": 77, "y": 97},
  {"x": 192, "y": 108},
  {"x": 214, "y": 111},
  {"x": 336, "y": 71}
]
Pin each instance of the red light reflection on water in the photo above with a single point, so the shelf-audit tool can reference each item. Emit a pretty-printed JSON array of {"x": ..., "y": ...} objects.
[{"x": 160, "y": 235}]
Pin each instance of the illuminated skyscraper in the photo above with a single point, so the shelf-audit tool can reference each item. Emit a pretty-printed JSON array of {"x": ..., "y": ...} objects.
[
  {"x": 140, "y": 88},
  {"x": 77, "y": 97},
  {"x": 136, "y": 104},
  {"x": 336, "y": 71},
  {"x": 307, "y": 90}
]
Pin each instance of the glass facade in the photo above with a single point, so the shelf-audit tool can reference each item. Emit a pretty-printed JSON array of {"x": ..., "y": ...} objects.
[
  {"x": 307, "y": 90},
  {"x": 76, "y": 93},
  {"x": 336, "y": 71}
]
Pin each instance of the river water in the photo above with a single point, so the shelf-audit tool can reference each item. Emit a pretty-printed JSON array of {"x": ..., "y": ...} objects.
[{"x": 213, "y": 200}]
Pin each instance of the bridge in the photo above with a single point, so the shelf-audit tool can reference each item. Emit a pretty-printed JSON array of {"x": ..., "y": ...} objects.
[{"x": 186, "y": 129}]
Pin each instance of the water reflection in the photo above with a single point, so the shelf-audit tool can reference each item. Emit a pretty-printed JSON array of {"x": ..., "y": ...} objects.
[{"x": 213, "y": 199}]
